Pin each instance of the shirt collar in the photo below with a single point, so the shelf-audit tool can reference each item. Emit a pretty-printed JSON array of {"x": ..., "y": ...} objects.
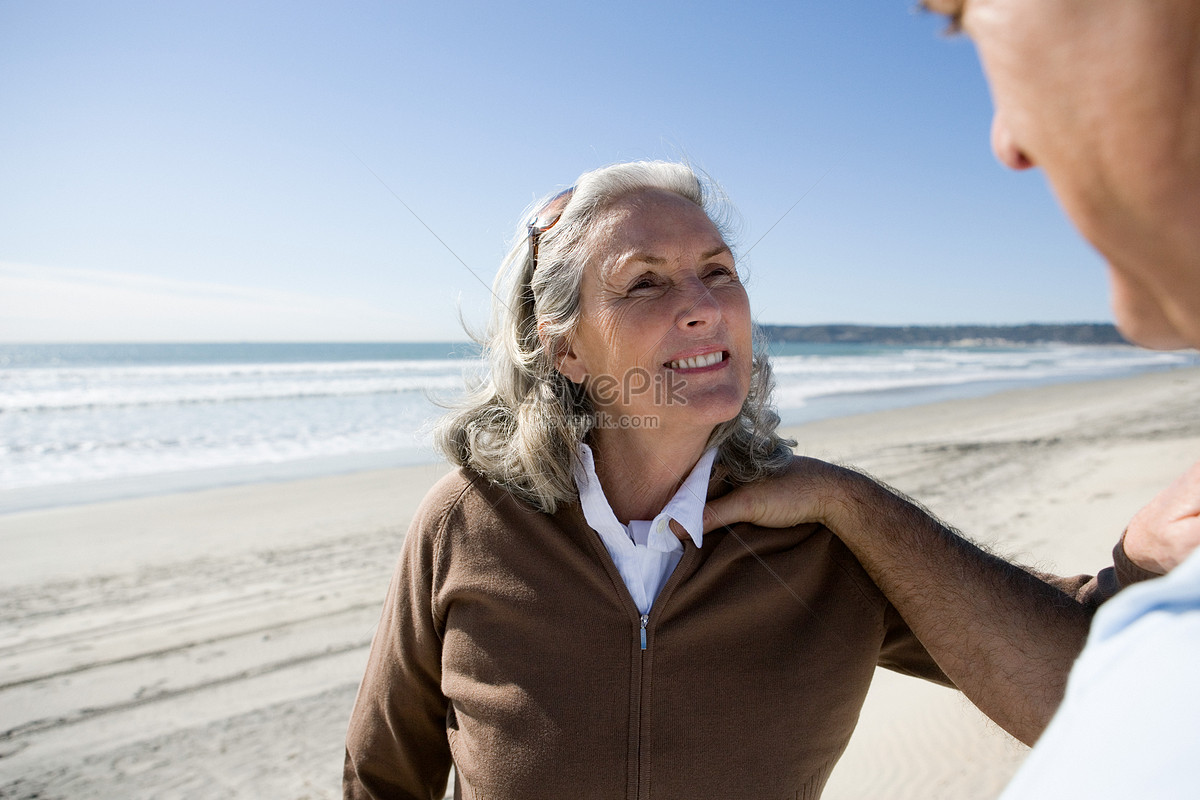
[{"x": 686, "y": 507}]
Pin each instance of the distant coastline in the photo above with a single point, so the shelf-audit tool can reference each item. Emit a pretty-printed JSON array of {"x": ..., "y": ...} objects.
[
  {"x": 17, "y": 354},
  {"x": 1098, "y": 333}
]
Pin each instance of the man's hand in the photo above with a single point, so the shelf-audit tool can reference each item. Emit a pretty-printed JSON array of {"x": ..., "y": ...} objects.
[
  {"x": 807, "y": 491},
  {"x": 1164, "y": 533}
]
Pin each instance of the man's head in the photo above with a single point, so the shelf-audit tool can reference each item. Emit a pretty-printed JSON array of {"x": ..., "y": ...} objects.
[{"x": 1104, "y": 96}]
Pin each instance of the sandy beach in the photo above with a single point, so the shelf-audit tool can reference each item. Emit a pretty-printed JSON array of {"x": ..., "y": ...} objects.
[{"x": 208, "y": 644}]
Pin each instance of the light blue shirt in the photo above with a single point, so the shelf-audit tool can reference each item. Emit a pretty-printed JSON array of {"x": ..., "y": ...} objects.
[
  {"x": 645, "y": 552},
  {"x": 1129, "y": 726}
]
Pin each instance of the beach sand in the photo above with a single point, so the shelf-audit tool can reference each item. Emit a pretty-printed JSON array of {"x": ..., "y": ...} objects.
[{"x": 209, "y": 644}]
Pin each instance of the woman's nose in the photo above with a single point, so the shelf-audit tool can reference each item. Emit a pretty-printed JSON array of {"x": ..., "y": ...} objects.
[{"x": 700, "y": 307}]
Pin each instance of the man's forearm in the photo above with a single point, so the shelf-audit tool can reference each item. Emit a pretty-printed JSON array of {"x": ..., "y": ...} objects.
[{"x": 1003, "y": 635}]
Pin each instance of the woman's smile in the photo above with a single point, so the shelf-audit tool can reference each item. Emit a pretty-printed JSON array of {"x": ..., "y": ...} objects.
[{"x": 708, "y": 362}]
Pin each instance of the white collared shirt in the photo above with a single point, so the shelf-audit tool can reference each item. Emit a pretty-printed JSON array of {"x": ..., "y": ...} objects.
[{"x": 645, "y": 551}]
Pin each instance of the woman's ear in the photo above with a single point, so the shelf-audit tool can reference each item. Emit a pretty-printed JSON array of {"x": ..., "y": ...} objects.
[
  {"x": 565, "y": 359},
  {"x": 571, "y": 365}
]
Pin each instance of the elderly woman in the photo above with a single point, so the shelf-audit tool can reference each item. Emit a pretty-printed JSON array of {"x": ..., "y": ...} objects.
[{"x": 559, "y": 624}]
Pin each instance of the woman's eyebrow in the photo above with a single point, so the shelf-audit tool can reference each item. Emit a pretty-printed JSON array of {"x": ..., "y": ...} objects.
[{"x": 642, "y": 257}]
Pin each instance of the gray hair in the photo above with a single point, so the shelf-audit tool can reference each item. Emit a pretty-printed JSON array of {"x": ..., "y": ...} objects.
[{"x": 521, "y": 427}]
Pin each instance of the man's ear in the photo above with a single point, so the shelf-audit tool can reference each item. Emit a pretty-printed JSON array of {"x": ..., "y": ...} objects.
[{"x": 565, "y": 359}]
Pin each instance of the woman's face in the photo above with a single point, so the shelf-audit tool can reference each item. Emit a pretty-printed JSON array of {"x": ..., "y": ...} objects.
[{"x": 664, "y": 335}]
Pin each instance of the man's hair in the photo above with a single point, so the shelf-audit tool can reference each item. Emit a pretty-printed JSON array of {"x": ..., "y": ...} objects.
[{"x": 521, "y": 426}]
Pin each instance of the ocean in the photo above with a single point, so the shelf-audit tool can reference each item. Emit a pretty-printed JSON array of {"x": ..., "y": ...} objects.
[{"x": 91, "y": 421}]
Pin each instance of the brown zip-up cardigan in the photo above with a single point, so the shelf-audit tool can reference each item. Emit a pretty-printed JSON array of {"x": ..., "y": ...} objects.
[{"x": 510, "y": 647}]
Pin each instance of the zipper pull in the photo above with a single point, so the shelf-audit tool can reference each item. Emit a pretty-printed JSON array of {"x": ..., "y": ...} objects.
[{"x": 645, "y": 622}]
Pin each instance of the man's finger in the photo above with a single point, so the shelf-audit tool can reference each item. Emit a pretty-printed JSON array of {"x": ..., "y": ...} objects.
[{"x": 721, "y": 512}]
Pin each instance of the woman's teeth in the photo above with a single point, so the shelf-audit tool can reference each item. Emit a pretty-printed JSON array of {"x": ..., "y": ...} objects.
[{"x": 697, "y": 361}]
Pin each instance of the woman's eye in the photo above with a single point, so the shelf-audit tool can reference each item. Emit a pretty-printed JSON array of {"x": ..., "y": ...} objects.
[
  {"x": 719, "y": 273},
  {"x": 642, "y": 284}
]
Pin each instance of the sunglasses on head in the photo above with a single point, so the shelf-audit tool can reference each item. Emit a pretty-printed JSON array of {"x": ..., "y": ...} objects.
[{"x": 546, "y": 219}]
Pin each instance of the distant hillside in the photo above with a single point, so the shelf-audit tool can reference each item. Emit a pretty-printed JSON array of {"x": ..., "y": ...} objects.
[{"x": 1079, "y": 333}]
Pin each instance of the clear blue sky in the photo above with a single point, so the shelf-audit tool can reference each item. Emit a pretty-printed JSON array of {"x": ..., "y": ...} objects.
[{"x": 195, "y": 171}]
